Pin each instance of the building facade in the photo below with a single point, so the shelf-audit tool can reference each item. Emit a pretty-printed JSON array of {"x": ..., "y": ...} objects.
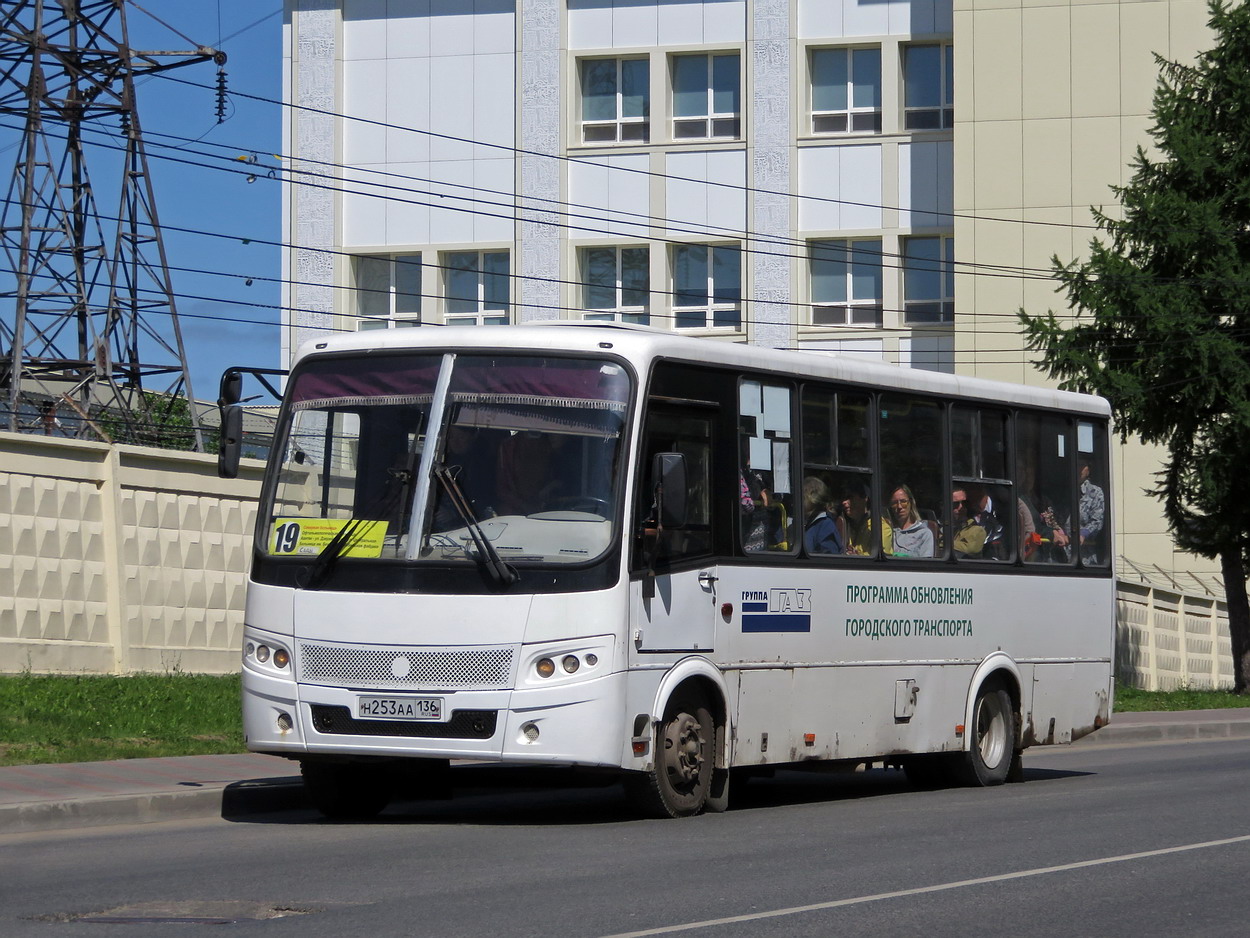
[{"x": 873, "y": 177}]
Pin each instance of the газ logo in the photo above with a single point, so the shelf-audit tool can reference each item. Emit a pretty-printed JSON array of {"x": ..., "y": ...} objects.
[{"x": 777, "y": 610}]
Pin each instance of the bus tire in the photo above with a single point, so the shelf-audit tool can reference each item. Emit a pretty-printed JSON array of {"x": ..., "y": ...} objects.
[
  {"x": 348, "y": 790},
  {"x": 681, "y": 780},
  {"x": 993, "y": 738}
]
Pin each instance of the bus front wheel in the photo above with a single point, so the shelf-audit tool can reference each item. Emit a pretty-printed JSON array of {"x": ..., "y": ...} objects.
[
  {"x": 993, "y": 742},
  {"x": 348, "y": 790},
  {"x": 681, "y": 780}
]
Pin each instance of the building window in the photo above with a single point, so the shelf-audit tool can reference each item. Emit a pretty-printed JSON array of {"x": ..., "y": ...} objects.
[
  {"x": 706, "y": 97},
  {"x": 388, "y": 291},
  {"x": 846, "y": 282},
  {"x": 616, "y": 284},
  {"x": 476, "y": 290},
  {"x": 928, "y": 87},
  {"x": 707, "y": 286},
  {"x": 846, "y": 91},
  {"x": 616, "y": 101},
  {"x": 929, "y": 280}
]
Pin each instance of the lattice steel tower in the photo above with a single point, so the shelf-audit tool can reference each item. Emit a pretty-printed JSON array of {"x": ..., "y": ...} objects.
[{"x": 87, "y": 312}]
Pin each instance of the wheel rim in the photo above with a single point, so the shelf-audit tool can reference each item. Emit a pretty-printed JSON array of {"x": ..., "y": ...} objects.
[
  {"x": 991, "y": 730},
  {"x": 683, "y": 752}
]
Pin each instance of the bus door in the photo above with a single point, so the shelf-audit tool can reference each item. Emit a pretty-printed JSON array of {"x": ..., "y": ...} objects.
[{"x": 673, "y": 595}]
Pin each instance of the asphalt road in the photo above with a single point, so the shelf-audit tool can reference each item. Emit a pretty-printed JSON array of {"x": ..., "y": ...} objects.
[{"x": 1134, "y": 840}]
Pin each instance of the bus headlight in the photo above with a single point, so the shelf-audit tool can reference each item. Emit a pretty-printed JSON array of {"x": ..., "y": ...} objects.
[
  {"x": 545, "y": 667},
  {"x": 281, "y": 658}
]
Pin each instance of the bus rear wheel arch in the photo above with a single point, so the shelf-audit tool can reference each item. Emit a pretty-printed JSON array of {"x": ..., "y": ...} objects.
[{"x": 993, "y": 736}]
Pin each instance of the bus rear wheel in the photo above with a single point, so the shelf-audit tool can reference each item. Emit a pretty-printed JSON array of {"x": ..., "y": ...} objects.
[
  {"x": 681, "y": 780},
  {"x": 993, "y": 741},
  {"x": 348, "y": 790}
]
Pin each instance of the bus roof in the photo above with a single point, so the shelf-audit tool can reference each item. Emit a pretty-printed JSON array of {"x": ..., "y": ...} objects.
[{"x": 641, "y": 345}]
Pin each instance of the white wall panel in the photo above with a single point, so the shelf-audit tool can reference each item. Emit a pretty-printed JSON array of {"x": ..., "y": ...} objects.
[
  {"x": 494, "y": 27},
  {"x": 364, "y": 97},
  {"x": 495, "y": 220},
  {"x": 451, "y": 27},
  {"x": 860, "y": 186},
  {"x": 681, "y": 23},
  {"x": 727, "y": 208},
  {"x": 408, "y": 223},
  {"x": 407, "y": 28},
  {"x": 590, "y": 24},
  {"x": 364, "y": 216},
  {"x": 453, "y": 225},
  {"x": 634, "y": 24},
  {"x": 925, "y": 183},
  {"x": 451, "y": 113},
  {"x": 407, "y": 110},
  {"x": 725, "y": 21},
  {"x": 818, "y": 174},
  {"x": 364, "y": 29},
  {"x": 821, "y": 19},
  {"x": 865, "y": 18},
  {"x": 629, "y": 193},
  {"x": 494, "y": 106},
  {"x": 589, "y": 190},
  {"x": 871, "y": 349},
  {"x": 686, "y": 197}
]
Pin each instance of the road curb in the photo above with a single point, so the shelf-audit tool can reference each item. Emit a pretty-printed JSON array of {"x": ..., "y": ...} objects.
[
  {"x": 235, "y": 801},
  {"x": 1163, "y": 732}
]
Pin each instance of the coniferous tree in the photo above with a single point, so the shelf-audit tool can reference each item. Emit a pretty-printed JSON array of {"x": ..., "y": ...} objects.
[{"x": 1161, "y": 322}]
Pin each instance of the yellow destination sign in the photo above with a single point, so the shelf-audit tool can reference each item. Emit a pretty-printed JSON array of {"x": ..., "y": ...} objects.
[{"x": 307, "y": 537}]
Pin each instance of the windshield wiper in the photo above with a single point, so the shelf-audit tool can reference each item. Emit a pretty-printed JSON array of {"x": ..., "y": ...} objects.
[
  {"x": 348, "y": 534},
  {"x": 501, "y": 573}
]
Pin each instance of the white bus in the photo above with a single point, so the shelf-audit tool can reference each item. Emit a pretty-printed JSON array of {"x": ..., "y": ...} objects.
[{"x": 670, "y": 557}]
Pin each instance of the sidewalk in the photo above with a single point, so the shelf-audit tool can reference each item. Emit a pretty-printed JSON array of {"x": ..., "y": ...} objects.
[{"x": 132, "y": 791}]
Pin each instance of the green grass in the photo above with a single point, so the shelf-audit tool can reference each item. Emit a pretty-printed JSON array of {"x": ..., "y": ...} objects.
[
  {"x": 1185, "y": 698},
  {"x": 85, "y": 718}
]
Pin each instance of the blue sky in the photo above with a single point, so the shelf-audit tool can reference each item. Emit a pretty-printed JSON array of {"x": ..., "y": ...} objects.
[{"x": 224, "y": 320}]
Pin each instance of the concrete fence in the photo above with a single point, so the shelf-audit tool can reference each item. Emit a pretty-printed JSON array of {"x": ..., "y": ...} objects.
[
  {"x": 120, "y": 558},
  {"x": 123, "y": 558}
]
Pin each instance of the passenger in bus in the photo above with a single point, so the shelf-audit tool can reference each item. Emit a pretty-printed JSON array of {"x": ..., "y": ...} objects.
[
  {"x": 912, "y": 536},
  {"x": 464, "y": 453},
  {"x": 1093, "y": 512},
  {"x": 527, "y": 475},
  {"x": 757, "y": 511},
  {"x": 820, "y": 530},
  {"x": 969, "y": 537},
  {"x": 857, "y": 513},
  {"x": 972, "y": 508}
]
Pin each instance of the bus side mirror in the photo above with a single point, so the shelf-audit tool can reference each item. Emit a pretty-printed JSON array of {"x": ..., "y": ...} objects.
[
  {"x": 229, "y": 442},
  {"x": 228, "y": 447},
  {"x": 668, "y": 473}
]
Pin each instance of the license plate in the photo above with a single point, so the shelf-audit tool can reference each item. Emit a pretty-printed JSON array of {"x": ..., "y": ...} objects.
[{"x": 399, "y": 708}]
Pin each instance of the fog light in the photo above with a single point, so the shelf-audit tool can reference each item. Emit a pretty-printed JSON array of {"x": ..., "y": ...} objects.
[
  {"x": 262, "y": 653},
  {"x": 249, "y": 649},
  {"x": 285, "y": 723},
  {"x": 530, "y": 730},
  {"x": 545, "y": 667},
  {"x": 281, "y": 658},
  {"x": 571, "y": 663},
  {"x": 591, "y": 660}
]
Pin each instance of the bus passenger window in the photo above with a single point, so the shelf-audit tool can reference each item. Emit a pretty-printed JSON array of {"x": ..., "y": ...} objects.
[
  {"x": 836, "y": 471},
  {"x": 984, "y": 509},
  {"x": 1092, "y": 508},
  {"x": 1044, "y": 476},
  {"x": 912, "y": 438},
  {"x": 769, "y": 517},
  {"x": 690, "y": 435}
]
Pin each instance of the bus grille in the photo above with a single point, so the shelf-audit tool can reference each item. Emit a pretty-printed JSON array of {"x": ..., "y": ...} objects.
[
  {"x": 482, "y": 668},
  {"x": 464, "y": 724}
]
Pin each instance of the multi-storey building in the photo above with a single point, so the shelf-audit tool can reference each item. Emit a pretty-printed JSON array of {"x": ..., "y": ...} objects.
[{"x": 885, "y": 178}]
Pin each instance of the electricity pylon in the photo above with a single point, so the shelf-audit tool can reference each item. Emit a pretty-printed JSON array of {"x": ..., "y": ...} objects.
[{"x": 88, "y": 318}]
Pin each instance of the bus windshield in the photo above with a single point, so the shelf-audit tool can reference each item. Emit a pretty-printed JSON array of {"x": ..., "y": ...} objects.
[{"x": 522, "y": 464}]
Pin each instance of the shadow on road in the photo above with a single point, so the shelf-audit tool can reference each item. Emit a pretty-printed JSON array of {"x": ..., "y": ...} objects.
[{"x": 508, "y": 796}]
